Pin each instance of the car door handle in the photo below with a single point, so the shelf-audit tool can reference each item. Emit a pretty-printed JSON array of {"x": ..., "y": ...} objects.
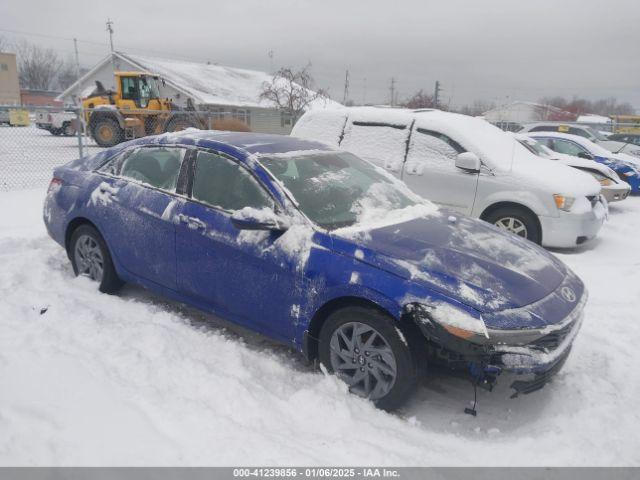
[{"x": 192, "y": 222}]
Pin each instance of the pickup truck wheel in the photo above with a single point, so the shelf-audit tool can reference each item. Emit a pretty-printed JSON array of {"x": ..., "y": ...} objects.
[
  {"x": 68, "y": 129},
  {"x": 517, "y": 221},
  {"x": 107, "y": 132}
]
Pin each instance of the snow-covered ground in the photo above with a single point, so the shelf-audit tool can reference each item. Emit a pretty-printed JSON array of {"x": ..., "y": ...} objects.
[{"x": 134, "y": 379}]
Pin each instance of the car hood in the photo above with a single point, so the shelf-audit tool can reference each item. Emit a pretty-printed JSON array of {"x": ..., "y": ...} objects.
[
  {"x": 554, "y": 177},
  {"x": 460, "y": 257}
]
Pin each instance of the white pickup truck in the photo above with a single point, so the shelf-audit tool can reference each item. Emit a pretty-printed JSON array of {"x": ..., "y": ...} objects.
[{"x": 58, "y": 123}]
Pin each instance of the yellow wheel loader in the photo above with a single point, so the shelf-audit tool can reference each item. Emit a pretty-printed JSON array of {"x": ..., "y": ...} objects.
[{"x": 135, "y": 109}]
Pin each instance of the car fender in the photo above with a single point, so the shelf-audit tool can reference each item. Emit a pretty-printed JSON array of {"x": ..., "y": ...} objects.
[{"x": 531, "y": 199}]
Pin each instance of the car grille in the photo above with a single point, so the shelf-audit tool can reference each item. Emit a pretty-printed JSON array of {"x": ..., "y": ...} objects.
[{"x": 552, "y": 340}]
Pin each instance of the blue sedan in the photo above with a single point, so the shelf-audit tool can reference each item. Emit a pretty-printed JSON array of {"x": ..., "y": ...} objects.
[{"x": 320, "y": 250}]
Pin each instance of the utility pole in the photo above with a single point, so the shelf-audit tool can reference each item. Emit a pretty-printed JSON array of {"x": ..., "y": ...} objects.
[
  {"x": 436, "y": 94},
  {"x": 345, "y": 96},
  {"x": 392, "y": 89},
  {"x": 110, "y": 30},
  {"x": 270, "y": 61},
  {"x": 79, "y": 112},
  {"x": 364, "y": 91}
]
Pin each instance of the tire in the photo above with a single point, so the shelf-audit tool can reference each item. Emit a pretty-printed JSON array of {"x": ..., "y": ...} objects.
[
  {"x": 523, "y": 223},
  {"x": 68, "y": 129},
  {"x": 89, "y": 237},
  {"x": 364, "y": 362},
  {"x": 107, "y": 132}
]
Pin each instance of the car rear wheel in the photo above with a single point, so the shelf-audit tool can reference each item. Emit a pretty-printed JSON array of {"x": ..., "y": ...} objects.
[
  {"x": 364, "y": 348},
  {"x": 517, "y": 221},
  {"x": 90, "y": 258},
  {"x": 68, "y": 129}
]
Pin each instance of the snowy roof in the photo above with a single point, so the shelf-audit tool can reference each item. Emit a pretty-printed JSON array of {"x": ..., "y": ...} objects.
[
  {"x": 533, "y": 105},
  {"x": 206, "y": 84},
  {"x": 591, "y": 118}
]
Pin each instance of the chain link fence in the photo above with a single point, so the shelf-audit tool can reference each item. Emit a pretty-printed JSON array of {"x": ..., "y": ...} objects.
[{"x": 35, "y": 140}]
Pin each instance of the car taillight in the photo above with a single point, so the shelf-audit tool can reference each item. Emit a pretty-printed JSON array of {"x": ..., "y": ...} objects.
[{"x": 54, "y": 184}]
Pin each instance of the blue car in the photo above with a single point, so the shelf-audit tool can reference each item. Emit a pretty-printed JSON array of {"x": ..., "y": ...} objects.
[
  {"x": 626, "y": 166},
  {"x": 322, "y": 251}
]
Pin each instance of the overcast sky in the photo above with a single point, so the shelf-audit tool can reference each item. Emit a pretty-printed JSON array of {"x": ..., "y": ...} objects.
[{"x": 492, "y": 50}]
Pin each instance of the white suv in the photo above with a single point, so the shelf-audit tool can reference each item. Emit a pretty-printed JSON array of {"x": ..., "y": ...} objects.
[{"x": 468, "y": 164}]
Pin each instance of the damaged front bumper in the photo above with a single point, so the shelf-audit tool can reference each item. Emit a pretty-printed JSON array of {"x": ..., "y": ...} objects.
[{"x": 534, "y": 355}]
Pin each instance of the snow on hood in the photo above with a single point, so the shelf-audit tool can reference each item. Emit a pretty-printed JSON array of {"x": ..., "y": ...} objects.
[{"x": 463, "y": 258}]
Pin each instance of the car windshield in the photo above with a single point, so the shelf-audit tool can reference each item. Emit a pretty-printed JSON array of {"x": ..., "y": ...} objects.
[
  {"x": 334, "y": 189},
  {"x": 596, "y": 134},
  {"x": 535, "y": 148}
]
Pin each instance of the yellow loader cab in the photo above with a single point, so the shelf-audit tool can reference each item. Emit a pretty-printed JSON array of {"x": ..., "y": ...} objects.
[{"x": 135, "y": 109}]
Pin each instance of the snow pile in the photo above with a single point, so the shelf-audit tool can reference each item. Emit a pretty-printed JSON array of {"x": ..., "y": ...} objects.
[
  {"x": 102, "y": 194},
  {"x": 135, "y": 379}
]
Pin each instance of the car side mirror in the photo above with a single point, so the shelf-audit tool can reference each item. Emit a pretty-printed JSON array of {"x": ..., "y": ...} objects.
[
  {"x": 585, "y": 155},
  {"x": 258, "y": 219},
  {"x": 469, "y": 162}
]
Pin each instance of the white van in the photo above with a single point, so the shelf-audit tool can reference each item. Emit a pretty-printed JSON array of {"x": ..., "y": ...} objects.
[{"x": 469, "y": 165}]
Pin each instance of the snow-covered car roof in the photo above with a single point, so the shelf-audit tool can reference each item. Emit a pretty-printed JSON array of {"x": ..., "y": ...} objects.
[
  {"x": 594, "y": 148},
  {"x": 476, "y": 134}
]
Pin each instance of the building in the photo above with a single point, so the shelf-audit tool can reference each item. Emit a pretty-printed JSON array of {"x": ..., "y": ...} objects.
[
  {"x": 518, "y": 113},
  {"x": 224, "y": 91},
  {"x": 39, "y": 98},
  {"x": 9, "y": 85}
]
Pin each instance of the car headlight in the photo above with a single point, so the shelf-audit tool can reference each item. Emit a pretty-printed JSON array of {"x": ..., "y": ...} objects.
[
  {"x": 602, "y": 179},
  {"x": 456, "y": 321},
  {"x": 563, "y": 202}
]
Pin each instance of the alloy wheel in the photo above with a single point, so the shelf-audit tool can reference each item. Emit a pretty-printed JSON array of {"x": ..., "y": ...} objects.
[
  {"x": 88, "y": 258},
  {"x": 363, "y": 359},
  {"x": 513, "y": 225}
]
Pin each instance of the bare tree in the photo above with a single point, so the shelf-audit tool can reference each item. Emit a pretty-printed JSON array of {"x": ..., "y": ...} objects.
[
  {"x": 37, "y": 66},
  {"x": 478, "y": 107},
  {"x": 5, "y": 44},
  {"x": 66, "y": 74},
  {"x": 292, "y": 91},
  {"x": 579, "y": 106},
  {"x": 420, "y": 99}
]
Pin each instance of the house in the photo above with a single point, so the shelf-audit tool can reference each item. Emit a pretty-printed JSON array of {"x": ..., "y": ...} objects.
[
  {"x": 39, "y": 98},
  {"x": 519, "y": 113},
  {"x": 9, "y": 85},
  {"x": 223, "y": 91}
]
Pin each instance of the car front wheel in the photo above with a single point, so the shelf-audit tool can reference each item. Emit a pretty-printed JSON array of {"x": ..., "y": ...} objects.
[
  {"x": 517, "y": 221},
  {"x": 90, "y": 258},
  {"x": 364, "y": 348}
]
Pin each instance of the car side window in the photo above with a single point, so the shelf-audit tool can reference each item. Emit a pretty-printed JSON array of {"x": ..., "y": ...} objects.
[
  {"x": 543, "y": 128},
  {"x": 436, "y": 149},
  {"x": 579, "y": 131},
  {"x": 383, "y": 144},
  {"x": 224, "y": 184},
  {"x": 567, "y": 147},
  {"x": 158, "y": 167}
]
